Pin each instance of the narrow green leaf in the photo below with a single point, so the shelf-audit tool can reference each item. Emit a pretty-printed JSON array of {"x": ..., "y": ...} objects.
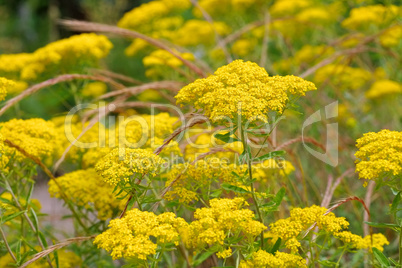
[
  {"x": 276, "y": 246},
  {"x": 395, "y": 203},
  {"x": 382, "y": 225},
  {"x": 233, "y": 188},
  {"x": 56, "y": 258},
  {"x": 12, "y": 216},
  {"x": 380, "y": 257},
  {"x": 202, "y": 258},
  {"x": 227, "y": 137},
  {"x": 30, "y": 194},
  {"x": 269, "y": 155},
  {"x": 18, "y": 251},
  {"x": 42, "y": 238},
  {"x": 279, "y": 196},
  {"x": 35, "y": 217}
]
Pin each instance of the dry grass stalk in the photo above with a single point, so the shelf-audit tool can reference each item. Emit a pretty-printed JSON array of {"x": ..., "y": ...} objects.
[
  {"x": 118, "y": 76},
  {"x": 304, "y": 139},
  {"x": 58, "y": 246},
  {"x": 62, "y": 78},
  {"x": 169, "y": 85},
  {"x": 84, "y": 26}
]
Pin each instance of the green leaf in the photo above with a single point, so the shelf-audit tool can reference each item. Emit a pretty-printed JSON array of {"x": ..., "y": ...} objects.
[
  {"x": 227, "y": 137},
  {"x": 380, "y": 257},
  {"x": 42, "y": 238},
  {"x": 30, "y": 194},
  {"x": 203, "y": 256},
  {"x": 269, "y": 155},
  {"x": 18, "y": 250},
  {"x": 382, "y": 225},
  {"x": 276, "y": 246},
  {"x": 395, "y": 203},
  {"x": 233, "y": 188},
  {"x": 35, "y": 217},
  {"x": 56, "y": 258},
  {"x": 279, "y": 196},
  {"x": 12, "y": 216}
]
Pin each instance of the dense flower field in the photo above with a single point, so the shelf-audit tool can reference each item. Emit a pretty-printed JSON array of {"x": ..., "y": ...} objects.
[{"x": 242, "y": 133}]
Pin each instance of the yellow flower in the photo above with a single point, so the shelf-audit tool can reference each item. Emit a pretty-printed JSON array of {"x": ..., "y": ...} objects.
[
  {"x": 363, "y": 17},
  {"x": 130, "y": 235},
  {"x": 391, "y": 37},
  {"x": 123, "y": 164},
  {"x": 81, "y": 192},
  {"x": 381, "y": 88},
  {"x": 94, "y": 89},
  {"x": 36, "y": 136},
  {"x": 263, "y": 259},
  {"x": 342, "y": 76},
  {"x": 5, "y": 86},
  {"x": 224, "y": 253},
  {"x": 241, "y": 88},
  {"x": 224, "y": 218},
  {"x": 379, "y": 154},
  {"x": 66, "y": 55}
]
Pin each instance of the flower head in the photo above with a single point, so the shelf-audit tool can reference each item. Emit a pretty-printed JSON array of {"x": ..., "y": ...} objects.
[
  {"x": 379, "y": 154},
  {"x": 130, "y": 235},
  {"x": 122, "y": 164},
  {"x": 241, "y": 88}
]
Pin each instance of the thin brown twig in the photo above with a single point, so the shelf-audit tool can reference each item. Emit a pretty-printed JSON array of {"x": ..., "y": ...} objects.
[
  {"x": 304, "y": 139},
  {"x": 98, "y": 27},
  {"x": 7, "y": 245},
  {"x": 169, "y": 85},
  {"x": 55, "y": 247},
  {"x": 62, "y": 78},
  {"x": 117, "y": 76}
]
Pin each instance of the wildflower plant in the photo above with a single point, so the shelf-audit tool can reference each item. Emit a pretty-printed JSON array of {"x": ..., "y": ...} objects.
[{"x": 184, "y": 146}]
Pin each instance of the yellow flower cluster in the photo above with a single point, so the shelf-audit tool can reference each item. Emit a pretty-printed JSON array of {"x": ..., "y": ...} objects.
[
  {"x": 5, "y": 86},
  {"x": 123, "y": 164},
  {"x": 307, "y": 56},
  {"x": 342, "y": 76},
  {"x": 67, "y": 259},
  {"x": 62, "y": 56},
  {"x": 221, "y": 8},
  {"x": 156, "y": 61},
  {"x": 205, "y": 142},
  {"x": 263, "y": 259},
  {"x": 391, "y": 37},
  {"x": 358, "y": 242},
  {"x": 224, "y": 218},
  {"x": 35, "y": 136},
  {"x": 195, "y": 179},
  {"x": 382, "y": 88},
  {"x": 283, "y": 8},
  {"x": 300, "y": 219},
  {"x": 363, "y": 17},
  {"x": 94, "y": 89},
  {"x": 146, "y": 13},
  {"x": 11, "y": 65},
  {"x": 241, "y": 88},
  {"x": 82, "y": 192},
  {"x": 243, "y": 47},
  {"x": 379, "y": 154},
  {"x": 196, "y": 32},
  {"x": 130, "y": 236}
]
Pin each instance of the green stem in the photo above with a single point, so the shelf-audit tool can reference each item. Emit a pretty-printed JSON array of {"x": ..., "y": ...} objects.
[
  {"x": 250, "y": 174},
  {"x": 400, "y": 247}
]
